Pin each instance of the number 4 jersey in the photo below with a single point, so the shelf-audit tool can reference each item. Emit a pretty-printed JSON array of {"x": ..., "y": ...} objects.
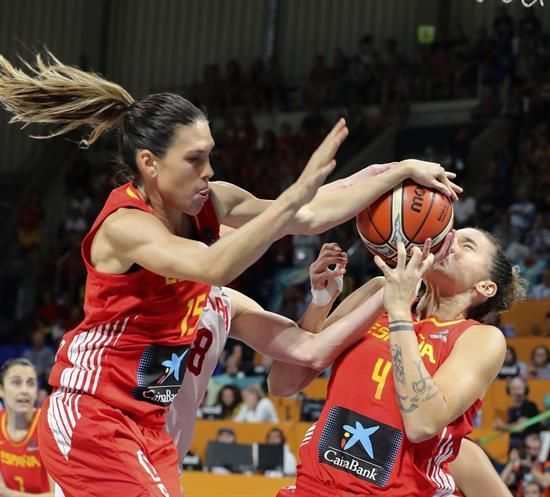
[{"x": 358, "y": 446}]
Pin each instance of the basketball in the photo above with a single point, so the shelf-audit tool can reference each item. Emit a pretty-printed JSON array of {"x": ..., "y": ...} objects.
[{"x": 410, "y": 213}]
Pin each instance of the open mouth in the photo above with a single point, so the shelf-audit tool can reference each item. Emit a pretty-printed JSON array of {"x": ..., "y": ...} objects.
[{"x": 204, "y": 194}]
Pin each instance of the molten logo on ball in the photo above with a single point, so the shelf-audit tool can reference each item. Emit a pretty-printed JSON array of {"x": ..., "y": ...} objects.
[{"x": 410, "y": 213}]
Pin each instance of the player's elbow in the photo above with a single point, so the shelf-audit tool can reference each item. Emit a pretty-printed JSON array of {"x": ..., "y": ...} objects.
[
  {"x": 420, "y": 432},
  {"x": 279, "y": 388},
  {"x": 311, "y": 355}
]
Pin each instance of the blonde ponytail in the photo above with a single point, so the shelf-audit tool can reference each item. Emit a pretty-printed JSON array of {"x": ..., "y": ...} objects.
[{"x": 54, "y": 93}]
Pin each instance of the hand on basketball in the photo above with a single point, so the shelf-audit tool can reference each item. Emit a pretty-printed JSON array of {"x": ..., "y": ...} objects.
[
  {"x": 402, "y": 283},
  {"x": 375, "y": 170},
  {"x": 326, "y": 283},
  {"x": 320, "y": 164},
  {"x": 433, "y": 175}
]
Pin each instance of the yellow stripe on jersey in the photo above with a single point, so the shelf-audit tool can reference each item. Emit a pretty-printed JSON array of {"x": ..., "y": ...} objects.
[
  {"x": 30, "y": 432},
  {"x": 439, "y": 324}
]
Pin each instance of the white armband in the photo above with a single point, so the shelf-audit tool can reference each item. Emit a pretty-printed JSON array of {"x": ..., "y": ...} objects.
[{"x": 320, "y": 298}]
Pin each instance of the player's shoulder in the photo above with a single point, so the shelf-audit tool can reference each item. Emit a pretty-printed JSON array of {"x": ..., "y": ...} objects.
[{"x": 484, "y": 333}]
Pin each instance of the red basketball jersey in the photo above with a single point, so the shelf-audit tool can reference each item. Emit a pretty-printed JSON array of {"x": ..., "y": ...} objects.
[
  {"x": 131, "y": 349},
  {"x": 20, "y": 462},
  {"x": 359, "y": 445}
]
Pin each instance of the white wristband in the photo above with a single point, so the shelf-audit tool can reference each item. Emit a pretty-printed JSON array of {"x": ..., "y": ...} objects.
[{"x": 320, "y": 298}]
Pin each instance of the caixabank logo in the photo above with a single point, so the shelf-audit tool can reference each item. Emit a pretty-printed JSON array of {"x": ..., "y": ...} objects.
[
  {"x": 359, "y": 445},
  {"x": 160, "y": 374}
]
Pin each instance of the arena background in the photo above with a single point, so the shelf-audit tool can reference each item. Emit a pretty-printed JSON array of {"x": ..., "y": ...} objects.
[{"x": 461, "y": 82}]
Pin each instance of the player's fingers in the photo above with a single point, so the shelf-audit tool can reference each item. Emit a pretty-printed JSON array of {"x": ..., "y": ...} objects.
[
  {"x": 446, "y": 248},
  {"x": 426, "y": 248},
  {"x": 426, "y": 264},
  {"x": 331, "y": 246},
  {"x": 382, "y": 266},
  {"x": 416, "y": 257},
  {"x": 439, "y": 186},
  {"x": 457, "y": 189},
  {"x": 331, "y": 274},
  {"x": 401, "y": 255},
  {"x": 448, "y": 183}
]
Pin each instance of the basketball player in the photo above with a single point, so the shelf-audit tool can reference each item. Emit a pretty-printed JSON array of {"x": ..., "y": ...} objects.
[
  {"x": 22, "y": 471},
  {"x": 229, "y": 313},
  {"x": 150, "y": 269},
  {"x": 423, "y": 373}
]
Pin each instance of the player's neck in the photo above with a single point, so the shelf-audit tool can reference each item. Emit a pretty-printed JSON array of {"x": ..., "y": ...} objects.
[
  {"x": 175, "y": 221},
  {"x": 445, "y": 308},
  {"x": 17, "y": 424}
]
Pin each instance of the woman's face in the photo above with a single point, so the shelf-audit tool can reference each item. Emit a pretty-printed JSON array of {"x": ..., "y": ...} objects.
[
  {"x": 466, "y": 266},
  {"x": 509, "y": 358},
  {"x": 250, "y": 398},
  {"x": 274, "y": 438},
  {"x": 540, "y": 357},
  {"x": 20, "y": 389},
  {"x": 182, "y": 175},
  {"x": 228, "y": 397}
]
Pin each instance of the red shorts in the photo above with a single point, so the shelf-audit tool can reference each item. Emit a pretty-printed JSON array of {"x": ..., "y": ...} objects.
[{"x": 91, "y": 449}]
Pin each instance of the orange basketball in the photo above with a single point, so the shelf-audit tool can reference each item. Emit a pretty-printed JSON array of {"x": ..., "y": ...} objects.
[{"x": 410, "y": 213}]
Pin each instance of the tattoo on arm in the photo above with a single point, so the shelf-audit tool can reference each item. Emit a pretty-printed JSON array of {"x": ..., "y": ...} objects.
[
  {"x": 408, "y": 404},
  {"x": 397, "y": 364},
  {"x": 422, "y": 384},
  {"x": 424, "y": 388}
]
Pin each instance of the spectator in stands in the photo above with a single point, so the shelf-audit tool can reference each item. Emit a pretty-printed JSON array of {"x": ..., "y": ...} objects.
[
  {"x": 75, "y": 224},
  {"x": 539, "y": 237},
  {"x": 29, "y": 225},
  {"x": 522, "y": 212},
  {"x": 256, "y": 407},
  {"x": 318, "y": 86},
  {"x": 524, "y": 466},
  {"x": 521, "y": 410},
  {"x": 464, "y": 210},
  {"x": 503, "y": 230},
  {"x": 532, "y": 489},
  {"x": 511, "y": 366},
  {"x": 546, "y": 330},
  {"x": 542, "y": 290},
  {"x": 540, "y": 363},
  {"x": 226, "y": 436},
  {"x": 275, "y": 436},
  {"x": 41, "y": 356},
  {"x": 229, "y": 400}
]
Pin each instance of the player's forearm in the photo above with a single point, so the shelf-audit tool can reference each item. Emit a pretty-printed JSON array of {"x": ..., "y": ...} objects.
[
  {"x": 334, "y": 206},
  {"x": 231, "y": 255},
  {"x": 334, "y": 339},
  {"x": 475, "y": 475},
  {"x": 286, "y": 379},
  {"x": 319, "y": 351},
  {"x": 418, "y": 396}
]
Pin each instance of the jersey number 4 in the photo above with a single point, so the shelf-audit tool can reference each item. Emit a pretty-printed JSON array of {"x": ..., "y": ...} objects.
[
  {"x": 198, "y": 352},
  {"x": 379, "y": 375}
]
